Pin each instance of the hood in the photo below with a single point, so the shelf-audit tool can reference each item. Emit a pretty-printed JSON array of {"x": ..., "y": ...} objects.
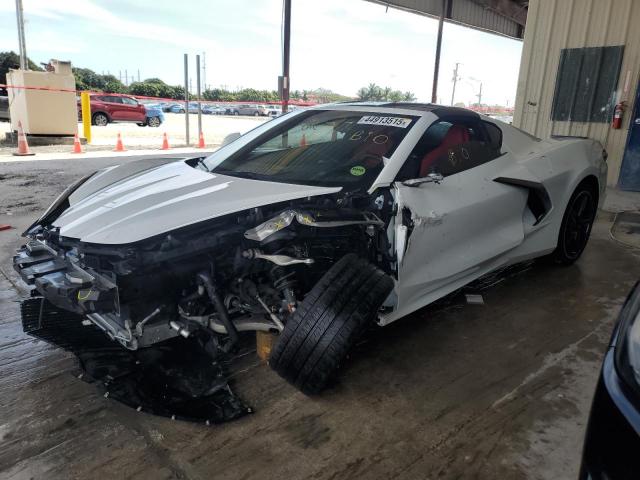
[{"x": 164, "y": 198}]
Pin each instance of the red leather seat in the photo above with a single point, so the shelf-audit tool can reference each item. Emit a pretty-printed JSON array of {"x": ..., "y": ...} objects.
[{"x": 456, "y": 135}]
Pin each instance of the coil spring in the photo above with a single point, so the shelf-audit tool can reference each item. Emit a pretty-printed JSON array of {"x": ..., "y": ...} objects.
[{"x": 282, "y": 280}]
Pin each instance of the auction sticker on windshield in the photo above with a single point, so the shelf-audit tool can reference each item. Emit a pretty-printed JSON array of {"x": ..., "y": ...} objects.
[{"x": 386, "y": 121}]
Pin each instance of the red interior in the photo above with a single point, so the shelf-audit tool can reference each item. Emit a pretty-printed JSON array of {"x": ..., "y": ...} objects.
[{"x": 457, "y": 134}]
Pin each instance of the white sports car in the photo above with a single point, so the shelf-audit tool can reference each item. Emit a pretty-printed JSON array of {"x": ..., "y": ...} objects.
[{"x": 310, "y": 226}]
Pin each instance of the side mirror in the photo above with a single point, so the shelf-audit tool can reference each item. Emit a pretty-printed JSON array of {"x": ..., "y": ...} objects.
[
  {"x": 431, "y": 178},
  {"x": 232, "y": 137}
]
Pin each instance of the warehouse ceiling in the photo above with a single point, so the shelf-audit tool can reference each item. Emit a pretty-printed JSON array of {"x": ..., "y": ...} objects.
[{"x": 502, "y": 17}]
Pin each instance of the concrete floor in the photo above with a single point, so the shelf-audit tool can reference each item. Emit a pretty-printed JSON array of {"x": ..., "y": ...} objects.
[{"x": 500, "y": 390}]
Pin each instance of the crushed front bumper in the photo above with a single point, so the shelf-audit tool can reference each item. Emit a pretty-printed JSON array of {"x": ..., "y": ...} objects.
[
  {"x": 65, "y": 284},
  {"x": 61, "y": 281}
]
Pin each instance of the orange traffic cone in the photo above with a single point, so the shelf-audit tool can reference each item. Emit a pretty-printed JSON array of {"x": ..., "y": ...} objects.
[
  {"x": 165, "y": 142},
  {"x": 201, "y": 141},
  {"x": 303, "y": 140},
  {"x": 119, "y": 145},
  {"x": 77, "y": 147},
  {"x": 23, "y": 146}
]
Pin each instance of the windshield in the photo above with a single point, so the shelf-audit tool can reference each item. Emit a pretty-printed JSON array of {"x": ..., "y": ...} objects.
[{"x": 320, "y": 147}]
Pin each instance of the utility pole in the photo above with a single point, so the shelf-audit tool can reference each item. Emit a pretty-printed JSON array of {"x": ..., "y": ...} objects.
[
  {"x": 286, "y": 54},
  {"x": 138, "y": 75},
  {"x": 120, "y": 75},
  {"x": 198, "y": 94},
  {"x": 186, "y": 98},
  {"x": 204, "y": 70},
  {"x": 455, "y": 80},
  {"x": 480, "y": 95},
  {"x": 22, "y": 45},
  {"x": 436, "y": 67},
  {"x": 126, "y": 77}
]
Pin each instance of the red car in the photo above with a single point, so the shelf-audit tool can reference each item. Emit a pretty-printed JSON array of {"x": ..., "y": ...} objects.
[{"x": 107, "y": 108}]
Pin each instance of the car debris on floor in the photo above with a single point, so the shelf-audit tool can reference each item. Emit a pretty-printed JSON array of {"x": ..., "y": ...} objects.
[{"x": 177, "y": 381}]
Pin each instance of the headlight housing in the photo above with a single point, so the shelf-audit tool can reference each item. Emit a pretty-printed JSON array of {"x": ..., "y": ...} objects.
[{"x": 627, "y": 358}]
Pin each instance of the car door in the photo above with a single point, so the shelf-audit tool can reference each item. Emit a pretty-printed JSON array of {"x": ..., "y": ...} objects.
[
  {"x": 114, "y": 107},
  {"x": 132, "y": 110},
  {"x": 450, "y": 232}
]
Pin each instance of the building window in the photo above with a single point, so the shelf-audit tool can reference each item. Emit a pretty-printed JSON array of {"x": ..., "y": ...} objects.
[{"x": 586, "y": 84}]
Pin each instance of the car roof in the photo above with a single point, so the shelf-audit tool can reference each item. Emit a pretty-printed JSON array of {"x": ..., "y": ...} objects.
[{"x": 438, "y": 110}]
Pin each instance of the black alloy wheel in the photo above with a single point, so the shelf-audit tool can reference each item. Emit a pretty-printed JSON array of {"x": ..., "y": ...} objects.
[{"x": 576, "y": 225}]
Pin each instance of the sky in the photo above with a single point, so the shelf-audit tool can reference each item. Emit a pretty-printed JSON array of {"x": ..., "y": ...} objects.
[{"x": 340, "y": 45}]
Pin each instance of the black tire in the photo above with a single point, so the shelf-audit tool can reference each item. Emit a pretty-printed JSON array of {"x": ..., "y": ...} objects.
[
  {"x": 328, "y": 322},
  {"x": 100, "y": 119},
  {"x": 154, "y": 122},
  {"x": 256, "y": 114},
  {"x": 576, "y": 225}
]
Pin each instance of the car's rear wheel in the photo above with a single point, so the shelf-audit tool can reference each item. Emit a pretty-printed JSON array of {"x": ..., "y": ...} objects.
[
  {"x": 328, "y": 322},
  {"x": 576, "y": 225},
  {"x": 257, "y": 114},
  {"x": 153, "y": 121},
  {"x": 100, "y": 119}
]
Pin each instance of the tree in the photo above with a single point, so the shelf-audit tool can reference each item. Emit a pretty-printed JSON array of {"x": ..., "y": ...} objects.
[
  {"x": 154, "y": 80},
  {"x": 409, "y": 97},
  {"x": 112, "y": 86},
  {"x": 177, "y": 93},
  {"x": 144, "y": 89},
  {"x": 375, "y": 93},
  {"x": 219, "y": 95},
  {"x": 11, "y": 60}
]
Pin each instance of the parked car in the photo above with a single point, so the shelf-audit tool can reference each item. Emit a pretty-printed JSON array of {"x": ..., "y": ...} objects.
[
  {"x": 311, "y": 225},
  {"x": 4, "y": 109},
  {"x": 155, "y": 117},
  {"x": 274, "y": 110},
  {"x": 213, "y": 110},
  {"x": 168, "y": 106},
  {"x": 176, "y": 108},
  {"x": 253, "y": 110},
  {"x": 612, "y": 441},
  {"x": 179, "y": 108},
  {"x": 107, "y": 108}
]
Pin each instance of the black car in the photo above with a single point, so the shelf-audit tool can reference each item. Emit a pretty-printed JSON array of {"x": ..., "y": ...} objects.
[
  {"x": 612, "y": 443},
  {"x": 4, "y": 109}
]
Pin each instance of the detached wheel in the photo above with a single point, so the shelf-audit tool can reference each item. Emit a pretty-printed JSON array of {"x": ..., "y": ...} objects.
[
  {"x": 100, "y": 119},
  {"x": 576, "y": 225},
  {"x": 153, "y": 121},
  {"x": 328, "y": 322}
]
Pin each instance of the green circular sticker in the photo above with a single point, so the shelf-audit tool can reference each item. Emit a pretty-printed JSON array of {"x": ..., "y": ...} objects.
[{"x": 357, "y": 170}]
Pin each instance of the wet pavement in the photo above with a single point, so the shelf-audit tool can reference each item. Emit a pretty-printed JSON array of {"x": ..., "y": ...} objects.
[{"x": 499, "y": 390}]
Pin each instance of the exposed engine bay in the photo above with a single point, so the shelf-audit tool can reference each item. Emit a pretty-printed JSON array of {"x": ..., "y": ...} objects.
[{"x": 243, "y": 272}]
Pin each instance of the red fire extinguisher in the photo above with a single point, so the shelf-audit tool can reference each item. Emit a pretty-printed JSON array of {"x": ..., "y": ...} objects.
[{"x": 617, "y": 115}]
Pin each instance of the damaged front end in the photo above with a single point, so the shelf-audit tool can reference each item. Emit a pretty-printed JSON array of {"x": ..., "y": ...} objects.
[{"x": 241, "y": 272}]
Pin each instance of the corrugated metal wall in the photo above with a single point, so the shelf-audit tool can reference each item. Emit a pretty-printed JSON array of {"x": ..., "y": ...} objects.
[{"x": 556, "y": 24}]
